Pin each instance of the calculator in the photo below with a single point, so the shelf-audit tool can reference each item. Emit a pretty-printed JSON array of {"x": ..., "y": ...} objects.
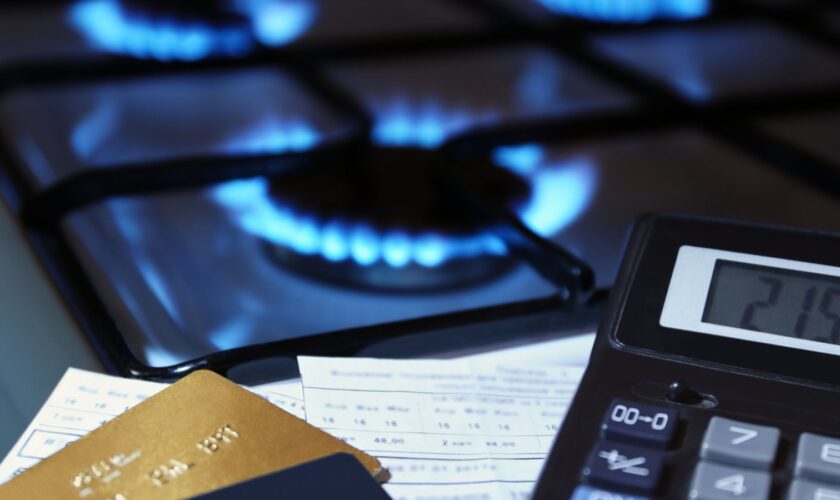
[{"x": 715, "y": 373}]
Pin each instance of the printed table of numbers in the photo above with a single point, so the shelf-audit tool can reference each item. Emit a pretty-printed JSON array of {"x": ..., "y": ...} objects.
[{"x": 455, "y": 429}]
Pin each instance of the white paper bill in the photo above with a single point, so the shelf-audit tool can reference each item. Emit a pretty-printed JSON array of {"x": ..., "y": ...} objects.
[{"x": 454, "y": 429}]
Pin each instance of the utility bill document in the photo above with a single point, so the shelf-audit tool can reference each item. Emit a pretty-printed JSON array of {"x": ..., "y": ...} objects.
[{"x": 454, "y": 429}]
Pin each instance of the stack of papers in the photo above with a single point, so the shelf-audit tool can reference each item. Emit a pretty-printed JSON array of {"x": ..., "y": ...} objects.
[{"x": 464, "y": 428}]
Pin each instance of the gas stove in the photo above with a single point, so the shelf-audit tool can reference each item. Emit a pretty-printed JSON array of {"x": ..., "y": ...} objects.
[{"x": 230, "y": 186}]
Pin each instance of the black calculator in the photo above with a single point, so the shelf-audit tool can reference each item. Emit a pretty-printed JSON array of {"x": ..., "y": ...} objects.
[{"x": 715, "y": 373}]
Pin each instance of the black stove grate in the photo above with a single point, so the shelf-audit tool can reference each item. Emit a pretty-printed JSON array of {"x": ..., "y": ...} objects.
[{"x": 732, "y": 118}]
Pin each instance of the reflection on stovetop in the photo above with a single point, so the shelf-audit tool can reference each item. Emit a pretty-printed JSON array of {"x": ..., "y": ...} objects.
[
  {"x": 63, "y": 131},
  {"x": 724, "y": 60}
]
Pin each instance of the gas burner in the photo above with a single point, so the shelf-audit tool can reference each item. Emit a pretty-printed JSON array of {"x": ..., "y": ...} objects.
[
  {"x": 629, "y": 11},
  {"x": 165, "y": 32},
  {"x": 394, "y": 188},
  {"x": 382, "y": 221},
  {"x": 210, "y": 11},
  {"x": 189, "y": 30}
]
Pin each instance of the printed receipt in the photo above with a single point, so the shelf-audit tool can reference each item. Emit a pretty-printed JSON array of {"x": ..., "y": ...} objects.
[
  {"x": 82, "y": 401},
  {"x": 464, "y": 429}
]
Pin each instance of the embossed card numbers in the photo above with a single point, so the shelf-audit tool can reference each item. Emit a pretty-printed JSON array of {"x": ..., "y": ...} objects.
[{"x": 200, "y": 434}]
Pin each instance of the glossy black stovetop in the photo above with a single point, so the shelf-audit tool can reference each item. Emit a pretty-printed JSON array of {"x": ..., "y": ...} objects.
[{"x": 229, "y": 187}]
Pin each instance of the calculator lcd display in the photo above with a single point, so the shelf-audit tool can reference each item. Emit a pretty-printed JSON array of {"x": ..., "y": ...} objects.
[{"x": 777, "y": 301}]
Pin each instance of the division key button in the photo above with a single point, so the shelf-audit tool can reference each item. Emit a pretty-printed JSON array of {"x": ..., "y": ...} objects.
[
  {"x": 624, "y": 467},
  {"x": 818, "y": 458},
  {"x": 739, "y": 443},
  {"x": 640, "y": 424}
]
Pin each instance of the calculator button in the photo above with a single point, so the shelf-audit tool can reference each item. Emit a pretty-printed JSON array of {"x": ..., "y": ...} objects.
[
  {"x": 641, "y": 424},
  {"x": 818, "y": 458},
  {"x": 624, "y": 467},
  {"x": 737, "y": 443},
  {"x": 801, "y": 489},
  {"x": 590, "y": 493},
  {"x": 718, "y": 482}
]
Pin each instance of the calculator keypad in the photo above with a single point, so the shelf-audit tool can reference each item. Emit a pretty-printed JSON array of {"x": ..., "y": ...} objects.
[
  {"x": 736, "y": 459},
  {"x": 738, "y": 443},
  {"x": 719, "y": 482},
  {"x": 641, "y": 424},
  {"x": 625, "y": 467}
]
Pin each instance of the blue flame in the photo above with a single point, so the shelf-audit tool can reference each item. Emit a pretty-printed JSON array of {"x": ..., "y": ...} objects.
[
  {"x": 522, "y": 159},
  {"x": 400, "y": 124},
  {"x": 560, "y": 193},
  {"x": 341, "y": 240},
  {"x": 108, "y": 26},
  {"x": 274, "y": 136},
  {"x": 629, "y": 11},
  {"x": 278, "y": 22}
]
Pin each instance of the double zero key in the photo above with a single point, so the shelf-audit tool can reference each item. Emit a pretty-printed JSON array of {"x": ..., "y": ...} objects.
[{"x": 644, "y": 425}]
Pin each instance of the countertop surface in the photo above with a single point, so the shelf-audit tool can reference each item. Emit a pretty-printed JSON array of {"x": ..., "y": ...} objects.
[{"x": 39, "y": 339}]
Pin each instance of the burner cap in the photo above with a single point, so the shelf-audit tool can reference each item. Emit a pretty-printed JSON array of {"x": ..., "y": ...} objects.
[
  {"x": 209, "y": 11},
  {"x": 393, "y": 191},
  {"x": 395, "y": 188}
]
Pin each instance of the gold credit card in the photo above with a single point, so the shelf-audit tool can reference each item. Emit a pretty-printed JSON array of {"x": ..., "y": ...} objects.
[{"x": 200, "y": 434}]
